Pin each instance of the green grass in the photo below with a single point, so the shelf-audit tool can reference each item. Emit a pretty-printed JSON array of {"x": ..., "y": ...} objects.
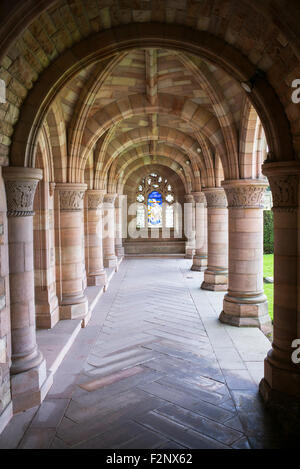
[{"x": 269, "y": 287}]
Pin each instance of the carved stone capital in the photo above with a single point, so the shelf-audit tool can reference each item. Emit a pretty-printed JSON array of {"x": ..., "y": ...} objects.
[
  {"x": 71, "y": 196},
  {"x": 245, "y": 193},
  {"x": 199, "y": 198},
  {"x": 189, "y": 198},
  {"x": 109, "y": 199},
  {"x": 284, "y": 181},
  {"x": 20, "y": 185},
  {"x": 215, "y": 197},
  {"x": 95, "y": 199}
]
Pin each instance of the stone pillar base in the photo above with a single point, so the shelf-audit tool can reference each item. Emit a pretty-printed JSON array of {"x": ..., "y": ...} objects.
[
  {"x": 215, "y": 281},
  {"x": 199, "y": 263},
  {"x": 29, "y": 388},
  {"x": 189, "y": 253},
  {"x": 6, "y": 416},
  {"x": 74, "y": 311},
  {"x": 47, "y": 321},
  {"x": 286, "y": 408},
  {"x": 120, "y": 251},
  {"x": 247, "y": 313},
  {"x": 110, "y": 262},
  {"x": 97, "y": 280}
]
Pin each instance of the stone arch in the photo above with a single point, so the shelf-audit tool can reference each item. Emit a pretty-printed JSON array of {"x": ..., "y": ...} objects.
[
  {"x": 251, "y": 157},
  {"x": 143, "y": 154},
  {"x": 127, "y": 37},
  {"x": 171, "y": 136},
  {"x": 161, "y": 161}
]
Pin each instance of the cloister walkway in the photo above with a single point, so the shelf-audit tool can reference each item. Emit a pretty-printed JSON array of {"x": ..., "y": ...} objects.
[{"x": 154, "y": 369}]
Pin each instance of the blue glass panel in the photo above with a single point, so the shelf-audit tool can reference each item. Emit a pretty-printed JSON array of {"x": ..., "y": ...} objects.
[{"x": 155, "y": 208}]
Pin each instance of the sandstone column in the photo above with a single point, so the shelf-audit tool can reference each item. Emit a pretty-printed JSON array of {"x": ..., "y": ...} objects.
[
  {"x": 119, "y": 225},
  {"x": 189, "y": 225},
  {"x": 200, "y": 257},
  {"x": 110, "y": 258},
  {"x": 46, "y": 301},
  {"x": 96, "y": 274},
  {"x": 281, "y": 384},
  {"x": 28, "y": 368},
  {"x": 70, "y": 238},
  {"x": 215, "y": 276},
  {"x": 245, "y": 303}
]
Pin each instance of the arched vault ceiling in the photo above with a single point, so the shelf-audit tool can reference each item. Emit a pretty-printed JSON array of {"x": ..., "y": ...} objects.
[{"x": 153, "y": 87}]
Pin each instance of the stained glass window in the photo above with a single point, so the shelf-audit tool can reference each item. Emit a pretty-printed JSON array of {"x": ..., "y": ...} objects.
[
  {"x": 155, "y": 209},
  {"x": 155, "y": 197}
]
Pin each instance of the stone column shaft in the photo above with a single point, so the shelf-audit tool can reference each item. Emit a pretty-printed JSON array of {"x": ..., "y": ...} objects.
[
  {"x": 73, "y": 302},
  {"x": 110, "y": 258},
  {"x": 119, "y": 225},
  {"x": 215, "y": 276},
  {"x": 245, "y": 303},
  {"x": 96, "y": 274},
  {"x": 28, "y": 368},
  {"x": 280, "y": 387},
  {"x": 200, "y": 256},
  {"x": 189, "y": 225}
]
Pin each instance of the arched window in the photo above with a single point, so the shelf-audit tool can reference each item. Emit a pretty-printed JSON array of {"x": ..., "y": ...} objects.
[
  {"x": 155, "y": 198},
  {"x": 155, "y": 202}
]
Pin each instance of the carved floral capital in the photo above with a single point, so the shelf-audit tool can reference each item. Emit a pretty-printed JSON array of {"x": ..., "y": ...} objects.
[
  {"x": 94, "y": 199},
  {"x": 71, "y": 196},
  {"x": 20, "y": 185},
  {"x": 283, "y": 177},
  {"x": 245, "y": 193},
  {"x": 199, "y": 198},
  {"x": 215, "y": 197}
]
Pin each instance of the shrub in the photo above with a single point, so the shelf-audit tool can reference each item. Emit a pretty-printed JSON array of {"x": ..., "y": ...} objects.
[{"x": 268, "y": 232}]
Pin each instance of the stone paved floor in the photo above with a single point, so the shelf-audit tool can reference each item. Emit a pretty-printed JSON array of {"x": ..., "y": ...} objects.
[{"x": 154, "y": 369}]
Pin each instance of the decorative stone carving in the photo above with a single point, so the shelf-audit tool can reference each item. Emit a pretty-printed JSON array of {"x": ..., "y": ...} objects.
[
  {"x": 215, "y": 197},
  {"x": 71, "y": 196},
  {"x": 285, "y": 192},
  {"x": 199, "y": 198},
  {"x": 20, "y": 196},
  {"x": 94, "y": 199},
  {"x": 71, "y": 200},
  {"x": 189, "y": 198},
  {"x": 245, "y": 195},
  {"x": 20, "y": 184}
]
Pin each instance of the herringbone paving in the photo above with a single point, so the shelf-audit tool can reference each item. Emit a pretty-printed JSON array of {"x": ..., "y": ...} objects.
[{"x": 146, "y": 374}]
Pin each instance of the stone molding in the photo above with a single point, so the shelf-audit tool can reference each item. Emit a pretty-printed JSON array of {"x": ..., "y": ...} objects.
[
  {"x": 215, "y": 197},
  {"x": 245, "y": 193},
  {"x": 20, "y": 185},
  {"x": 95, "y": 199},
  {"x": 284, "y": 181},
  {"x": 71, "y": 196}
]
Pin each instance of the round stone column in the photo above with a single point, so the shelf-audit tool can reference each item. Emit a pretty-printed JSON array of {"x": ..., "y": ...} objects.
[
  {"x": 109, "y": 255},
  {"x": 119, "y": 225},
  {"x": 280, "y": 387},
  {"x": 216, "y": 274},
  {"x": 189, "y": 225},
  {"x": 96, "y": 274},
  {"x": 200, "y": 257},
  {"x": 28, "y": 368},
  {"x": 73, "y": 302},
  {"x": 245, "y": 303}
]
